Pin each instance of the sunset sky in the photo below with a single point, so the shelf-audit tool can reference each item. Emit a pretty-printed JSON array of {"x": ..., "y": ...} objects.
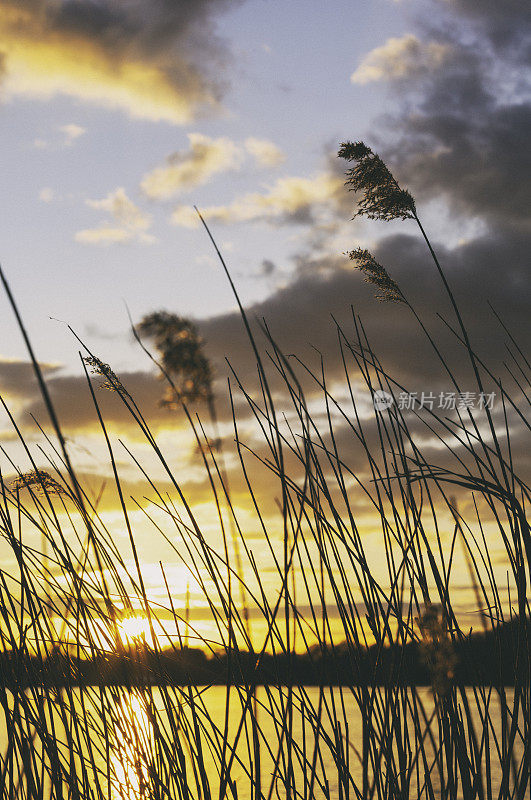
[{"x": 118, "y": 117}]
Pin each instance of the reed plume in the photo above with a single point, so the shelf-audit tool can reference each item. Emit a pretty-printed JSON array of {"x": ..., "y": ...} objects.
[
  {"x": 382, "y": 198},
  {"x": 388, "y": 289}
]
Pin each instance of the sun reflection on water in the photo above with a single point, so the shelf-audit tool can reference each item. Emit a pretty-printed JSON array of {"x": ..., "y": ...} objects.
[{"x": 131, "y": 756}]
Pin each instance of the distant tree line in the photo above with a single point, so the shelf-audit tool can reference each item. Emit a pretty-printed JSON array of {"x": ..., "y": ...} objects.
[{"x": 480, "y": 658}]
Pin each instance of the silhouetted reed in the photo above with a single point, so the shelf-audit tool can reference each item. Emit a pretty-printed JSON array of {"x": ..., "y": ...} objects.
[{"x": 365, "y": 609}]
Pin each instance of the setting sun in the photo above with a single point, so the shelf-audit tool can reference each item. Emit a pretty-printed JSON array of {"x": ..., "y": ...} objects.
[{"x": 134, "y": 630}]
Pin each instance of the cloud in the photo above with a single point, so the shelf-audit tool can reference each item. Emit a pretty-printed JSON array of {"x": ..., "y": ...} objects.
[
  {"x": 101, "y": 490},
  {"x": 75, "y": 408},
  {"x": 459, "y": 137},
  {"x": 205, "y": 157},
  {"x": 400, "y": 59},
  {"x": 505, "y": 25},
  {"x": 122, "y": 209},
  {"x": 17, "y": 378},
  {"x": 460, "y": 140},
  {"x": 71, "y": 133},
  {"x": 105, "y": 234},
  {"x": 266, "y": 153},
  {"x": 128, "y": 224},
  {"x": 185, "y": 170},
  {"x": 291, "y": 200},
  {"x": 267, "y": 267},
  {"x": 46, "y": 195},
  {"x": 468, "y": 143},
  {"x": 300, "y": 314},
  {"x": 476, "y": 158},
  {"x": 153, "y": 59},
  {"x": 464, "y": 137},
  {"x": 301, "y": 317}
]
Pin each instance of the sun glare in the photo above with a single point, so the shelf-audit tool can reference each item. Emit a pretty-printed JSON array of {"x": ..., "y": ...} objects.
[{"x": 134, "y": 630}]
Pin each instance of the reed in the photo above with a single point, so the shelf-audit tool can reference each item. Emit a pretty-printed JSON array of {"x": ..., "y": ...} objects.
[{"x": 357, "y": 607}]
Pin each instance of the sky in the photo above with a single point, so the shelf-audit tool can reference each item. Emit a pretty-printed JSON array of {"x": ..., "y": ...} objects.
[
  {"x": 87, "y": 157},
  {"x": 116, "y": 119}
]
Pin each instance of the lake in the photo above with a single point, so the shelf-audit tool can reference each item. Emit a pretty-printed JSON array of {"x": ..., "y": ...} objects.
[{"x": 136, "y": 744}]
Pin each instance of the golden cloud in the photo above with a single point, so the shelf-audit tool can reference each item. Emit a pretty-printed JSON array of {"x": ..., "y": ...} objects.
[
  {"x": 101, "y": 59},
  {"x": 400, "y": 58},
  {"x": 290, "y": 198},
  {"x": 128, "y": 224},
  {"x": 187, "y": 169},
  {"x": 266, "y": 153}
]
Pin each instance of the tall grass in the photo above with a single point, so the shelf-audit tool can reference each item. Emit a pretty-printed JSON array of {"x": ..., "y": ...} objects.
[{"x": 340, "y": 594}]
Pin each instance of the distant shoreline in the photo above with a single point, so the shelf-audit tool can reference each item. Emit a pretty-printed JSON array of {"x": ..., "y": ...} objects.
[{"x": 478, "y": 659}]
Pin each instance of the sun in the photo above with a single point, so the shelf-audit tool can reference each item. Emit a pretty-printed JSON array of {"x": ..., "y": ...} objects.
[{"x": 134, "y": 630}]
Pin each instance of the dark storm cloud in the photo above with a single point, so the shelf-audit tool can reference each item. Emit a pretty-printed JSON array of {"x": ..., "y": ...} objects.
[
  {"x": 75, "y": 409},
  {"x": 156, "y": 58},
  {"x": 74, "y": 406},
  {"x": 142, "y": 26},
  {"x": 434, "y": 439},
  {"x": 300, "y": 315},
  {"x": 475, "y": 154},
  {"x": 506, "y": 24},
  {"x": 150, "y": 29},
  {"x": 17, "y": 378},
  {"x": 464, "y": 131},
  {"x": 462, "y": 137}
]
